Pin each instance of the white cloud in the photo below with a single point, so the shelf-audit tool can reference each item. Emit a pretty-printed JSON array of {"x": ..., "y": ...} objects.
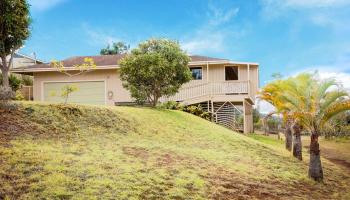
[
  {"x": 218, "y": 16},
  {"x": 99, "y": 37},
  {"x": 341, "y": 77},
  {"x": 340, "y": 71},
  {"x": 302, "y": 4},
  {"x": 264, "y": 107},
  {"x": 315, "y": 3},
  {"x": 43, "y": 5},
  {"x": 212, "y": 35},
  {"x": 205, "y": 41},
  {"x": 319, "y": 12}
]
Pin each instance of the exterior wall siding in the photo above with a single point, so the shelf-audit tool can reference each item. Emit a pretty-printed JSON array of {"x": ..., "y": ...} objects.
[{"x": 217, "y": 73}]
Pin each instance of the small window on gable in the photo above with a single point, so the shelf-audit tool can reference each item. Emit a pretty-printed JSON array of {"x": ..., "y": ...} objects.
[
  {"x": 196, "y": 73},
  {"x": 231, "y": 73}
]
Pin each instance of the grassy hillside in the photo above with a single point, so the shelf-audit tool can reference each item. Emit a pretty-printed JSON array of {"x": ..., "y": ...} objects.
[{"x": 85, "y": 152}]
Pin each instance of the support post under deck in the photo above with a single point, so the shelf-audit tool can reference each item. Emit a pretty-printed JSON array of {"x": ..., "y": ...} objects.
[{"x": 247, "y": 117}]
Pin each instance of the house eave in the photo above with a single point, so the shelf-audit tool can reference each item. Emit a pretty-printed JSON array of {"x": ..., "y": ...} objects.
[
  {"x": 222, "y": 62},
  {"x": 33, "y": 70}
]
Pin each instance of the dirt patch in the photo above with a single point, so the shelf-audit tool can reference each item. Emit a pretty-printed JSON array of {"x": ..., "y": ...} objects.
[
  {"x": 225, "y": 185},
  {"x": 229, "y": 185},
  {"x": 13, "y": 124},
  {"x": 137, "y": 152},
  {"x": 341, "y": 162},
  {"x": 169, "y": 160},
  {"x": 333, "y": 156}
]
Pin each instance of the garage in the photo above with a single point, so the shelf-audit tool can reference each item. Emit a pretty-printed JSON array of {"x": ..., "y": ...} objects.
[{"x": 88, "y": 92}]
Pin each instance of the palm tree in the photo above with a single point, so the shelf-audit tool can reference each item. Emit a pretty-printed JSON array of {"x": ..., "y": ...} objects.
[
  {"x": 292, "y": 87},
  {"x": 273, "y": 93},
  {"x": 313, "y": 103}
]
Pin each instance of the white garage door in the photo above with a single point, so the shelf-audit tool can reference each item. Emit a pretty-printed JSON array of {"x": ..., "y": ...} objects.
[{"x": 88, "y": 92}]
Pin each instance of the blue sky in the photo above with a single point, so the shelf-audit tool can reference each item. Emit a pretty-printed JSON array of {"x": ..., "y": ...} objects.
[{"x": 285, "y": 36}]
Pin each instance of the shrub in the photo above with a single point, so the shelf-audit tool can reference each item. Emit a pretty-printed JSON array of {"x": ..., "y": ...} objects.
[
  {"x": 15, "y": 82},
  {"x": 205, "y": 115},
  {"x": 27, "y": 80},
  {"x": 68, "y": 110},
  {"x": 198, "y": 111},
  {"x": 19, "y": 96},
  {"x": 259, "y": 125},
  {"x": 345, "y": 130},
  {"x": 193, "y": 109},
  {"x": 171, "y": 105}
]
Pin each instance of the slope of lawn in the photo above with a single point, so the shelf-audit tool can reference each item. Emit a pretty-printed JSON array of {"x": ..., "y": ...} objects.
[{"x": 86, "y": 152}]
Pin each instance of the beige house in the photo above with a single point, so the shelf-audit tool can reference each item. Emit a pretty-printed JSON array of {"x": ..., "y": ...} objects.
[{"x": 225, "y": 88}]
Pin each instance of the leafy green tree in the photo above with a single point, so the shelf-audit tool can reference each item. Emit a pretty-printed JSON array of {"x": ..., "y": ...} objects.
[
  {"x": 256, "y": 116},
  {"x": 156, "y": 68},
  {"x": 27, "y": 80},
  {"x": 116, "y": 48},
  {"x": 14, "y": 30}
]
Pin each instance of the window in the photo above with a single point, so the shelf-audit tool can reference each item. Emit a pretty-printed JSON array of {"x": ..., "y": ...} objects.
[
  {"x": 231, "y": 73},
  {"x": 196, "y": 73}
]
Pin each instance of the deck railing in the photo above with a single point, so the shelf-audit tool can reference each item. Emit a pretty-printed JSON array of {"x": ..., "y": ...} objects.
[{"x": 211, "y": 88}]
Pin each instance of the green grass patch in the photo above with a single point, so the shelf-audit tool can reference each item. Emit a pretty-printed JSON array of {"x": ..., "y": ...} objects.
[{"x": 266, "y": 139}]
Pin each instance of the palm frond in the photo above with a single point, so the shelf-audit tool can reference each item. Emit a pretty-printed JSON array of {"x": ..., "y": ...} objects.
[
  {"x": 330, "y": 98},
  {"x": 324, "y": 86},
  {"x": 336, "y": 108}
]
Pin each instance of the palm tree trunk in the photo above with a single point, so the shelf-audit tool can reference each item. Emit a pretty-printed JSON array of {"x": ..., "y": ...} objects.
[
  {"x": 289, "y": 137},
  {"x": 297, "y": 146},
  {"x": 265, "y": 124},
  {"x": 315, "y": 166}
]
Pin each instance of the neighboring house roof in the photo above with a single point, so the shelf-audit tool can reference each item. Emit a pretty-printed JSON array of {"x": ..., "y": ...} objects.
[
  {"x": 112, "y": 61},
  {"x": 20, "y": 60},
  {"x": 197, "y": 58},
  {"x": 16, "y": 55}
]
